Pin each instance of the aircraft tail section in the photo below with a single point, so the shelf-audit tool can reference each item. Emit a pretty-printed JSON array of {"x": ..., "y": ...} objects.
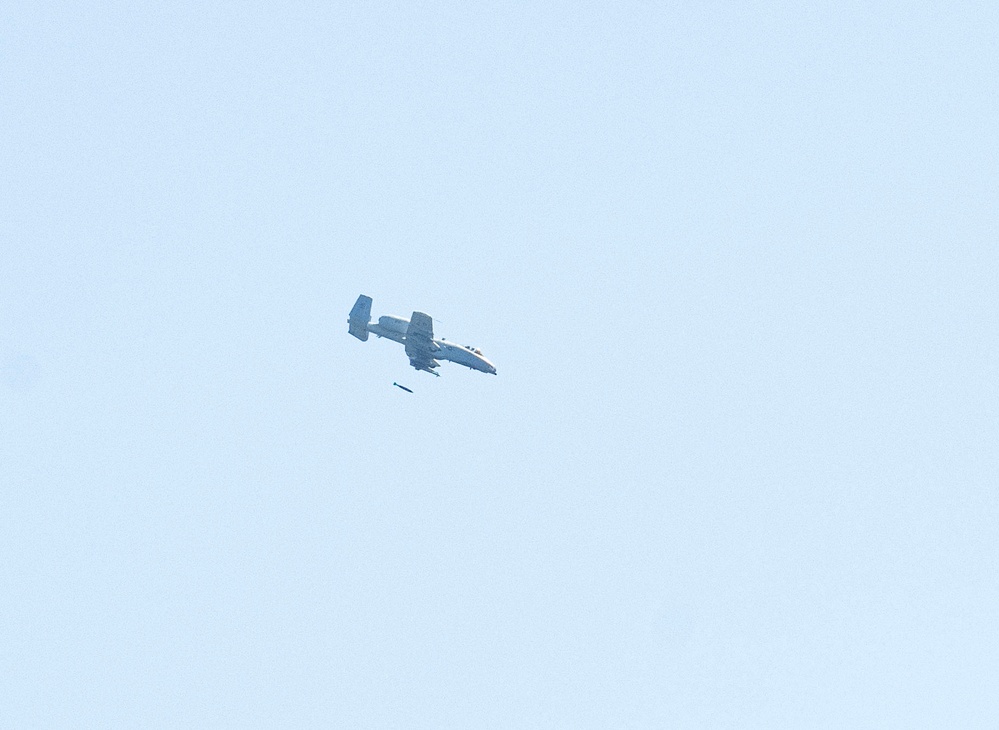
[{"x": 360, "y": 316}]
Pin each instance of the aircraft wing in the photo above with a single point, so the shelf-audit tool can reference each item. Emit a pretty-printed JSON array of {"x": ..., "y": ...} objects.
[
  {"x": 420, "y": 345},
  {"x": 420, "y": 336}
]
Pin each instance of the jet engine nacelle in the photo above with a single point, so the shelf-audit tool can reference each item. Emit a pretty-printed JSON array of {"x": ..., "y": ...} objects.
[{"x": 394, "y": 324}]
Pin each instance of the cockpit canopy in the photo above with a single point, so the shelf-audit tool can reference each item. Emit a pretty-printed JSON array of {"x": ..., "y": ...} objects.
[{"x": 476, "y": 350}]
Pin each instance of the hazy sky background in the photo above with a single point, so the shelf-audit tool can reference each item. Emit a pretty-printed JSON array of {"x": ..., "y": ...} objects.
[{"x": 736, "y": 264}]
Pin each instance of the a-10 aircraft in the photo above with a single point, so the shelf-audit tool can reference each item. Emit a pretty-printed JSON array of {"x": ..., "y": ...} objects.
[{"x": 417, "y": 334}]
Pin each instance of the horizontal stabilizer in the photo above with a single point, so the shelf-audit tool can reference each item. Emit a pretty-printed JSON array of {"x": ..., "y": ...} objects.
[{"x": 360, "y": 316}]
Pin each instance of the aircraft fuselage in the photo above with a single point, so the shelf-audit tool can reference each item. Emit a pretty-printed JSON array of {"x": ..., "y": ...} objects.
[{"x": 394, "y": 328}]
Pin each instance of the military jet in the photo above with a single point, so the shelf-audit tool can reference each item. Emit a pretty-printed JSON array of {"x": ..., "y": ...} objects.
[{"x": 417, "y": 334}]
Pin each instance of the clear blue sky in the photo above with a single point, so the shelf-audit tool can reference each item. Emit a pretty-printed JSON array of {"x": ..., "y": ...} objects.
[{"x": 736, "y": 264}]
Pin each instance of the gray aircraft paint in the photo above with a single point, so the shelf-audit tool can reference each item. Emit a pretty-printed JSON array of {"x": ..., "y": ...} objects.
[{"x": 416, "y": 334}]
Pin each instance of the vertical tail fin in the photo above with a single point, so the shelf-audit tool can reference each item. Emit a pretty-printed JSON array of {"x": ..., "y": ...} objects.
[{"x": 360, "y": 315}]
